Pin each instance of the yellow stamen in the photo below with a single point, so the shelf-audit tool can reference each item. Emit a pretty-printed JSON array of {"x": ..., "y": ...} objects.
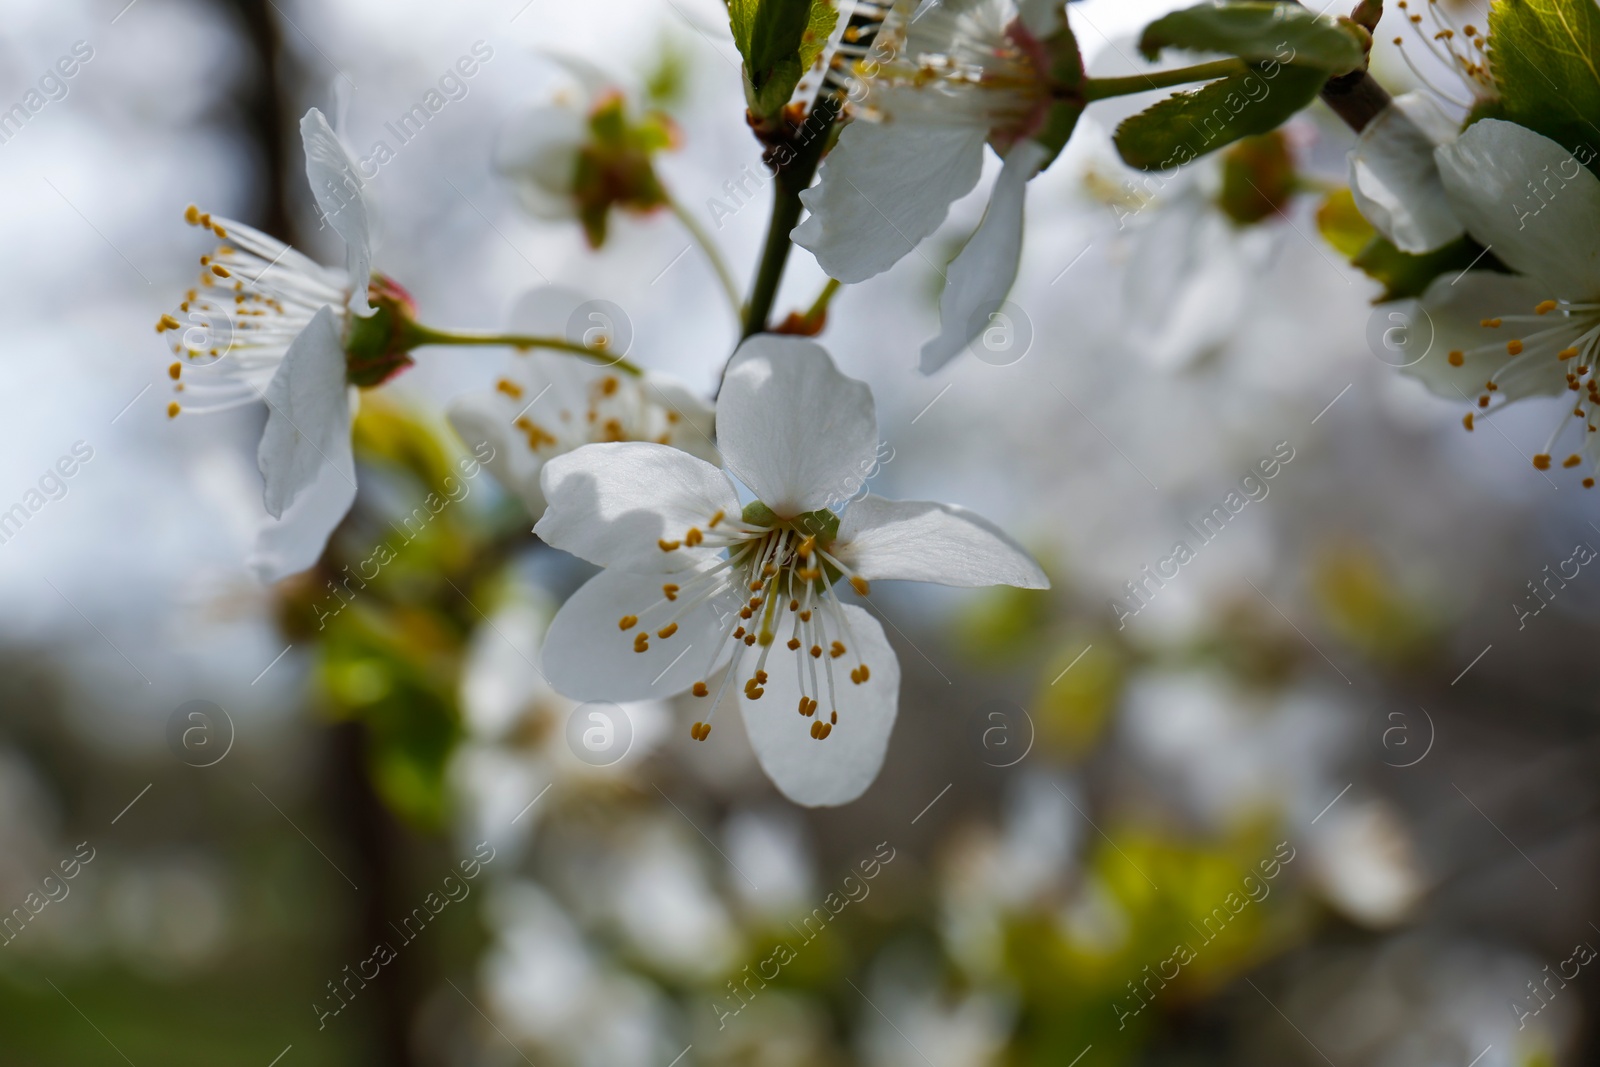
[{"x": 627, "y": 622}]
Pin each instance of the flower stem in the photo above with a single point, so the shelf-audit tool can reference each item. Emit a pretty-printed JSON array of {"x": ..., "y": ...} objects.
[
  {"x": 1105, "y": 88},
  {"x": 819, "y": 307},
  {"x": 713, "y": 255},
  {"x": 795, "y": 159},
  {"x": 420, "y": 335}
]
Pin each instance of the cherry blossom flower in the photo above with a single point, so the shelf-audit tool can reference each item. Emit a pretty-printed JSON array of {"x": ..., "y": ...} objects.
[
  {"x": 548, "y": 404},
  {"x": 694, "y": 581},
  {"x": 584, "y": 153},
  {"x": 1536, "y": 332},
  {"x": 938, "y": 82},
  {"x": 274, "y": 325}
]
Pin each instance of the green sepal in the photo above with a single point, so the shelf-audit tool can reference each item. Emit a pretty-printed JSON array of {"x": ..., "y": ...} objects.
[
  {"x": 1258, "y": 30},
  {"x": 1066, "y": 84},
  {"x": 1186, "y": 126},
  {"x": 1403, "y": 274}
]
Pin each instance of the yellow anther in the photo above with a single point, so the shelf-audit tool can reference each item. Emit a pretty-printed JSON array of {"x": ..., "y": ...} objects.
[
  {"x": 1466, "y": 420},
  {"x": 805, "y": 616},
  {"x": 627, "y": 622},
  {"x": 749, "y": 639},
  {"x": 1541, "y": 461},
  {"x": 1513, "y": 347},
  {"x": 191, "y": 215},
  {"x": 761, "y": 677},
  {"x": 669, "y": 546},
  {"x": 1588, "y": 483},
  {"x": 700, "y": 689},
  {"x": 718, "y": 517},
  {"x": 667, "y": 631},
  {"x": 1572, "y": 460},
  {"x": 768, "y": 571},
  {"x": 172, "y": 410},
  {"x": 739, "y": 633},
  {"x": 745, "y": 612},
  {"x": 836, "y": 649},
  {"x": 794, "y": 644},
  {"x": 1457, "y": 358},
  {"x": 1545, "y": 307},
  {"x": 807, "y": 547},
  {"x": 693, "y": 537},
  {"x": 220, "y": 271},
  {"x": 167, "y": 322},
  {"x": 816, "y": 651},
  {"x": 510, "y": 388},
  {"x": 608, "y": 385},
  {"x": 700, "y": 731},
  {"x": 174, "y": 371},
  {"x": 1567, "y": 353},
  {"x": 1490, "y": 323},
  {"x": 859, "y": 584},
  {"x": 669, "y": 591}
]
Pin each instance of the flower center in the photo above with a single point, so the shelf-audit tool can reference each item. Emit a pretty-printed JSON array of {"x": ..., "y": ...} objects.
[
  {"x": 1568, "y": 342},
  {"x": 771, "y": 581},
  {"x": 962, "y": 67},
  {"x": 1464, "y": 51},
  {"x": 230, "y": 332}
]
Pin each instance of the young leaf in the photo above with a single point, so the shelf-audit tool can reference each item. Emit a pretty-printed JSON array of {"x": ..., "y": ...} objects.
[
  {"x": 1545, "y": 56},
  {"x": 778, "y": 39},
  {"x": 1185, "y": 126},
  {"x": 1258, "y": 30}
]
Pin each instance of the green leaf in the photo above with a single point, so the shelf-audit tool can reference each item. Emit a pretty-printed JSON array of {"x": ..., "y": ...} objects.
[
  {"x": 1258, "y": 30},
  {"x": 1545, "y": 55},
  {"x": 778, "y": 39},
  {"x": 1185, "y": 126}
]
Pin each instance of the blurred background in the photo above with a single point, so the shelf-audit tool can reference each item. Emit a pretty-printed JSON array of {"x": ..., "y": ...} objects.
[{"x": 1324, "y": 797}]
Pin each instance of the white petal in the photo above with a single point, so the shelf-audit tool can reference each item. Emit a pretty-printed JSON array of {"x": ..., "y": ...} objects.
[
  {"x": 840, "y": 767},
  {"x": 587, "y": 656},
  {"x": 338, "y": 187},
  {"x": 295, "y": 542},
  {"x": 1491, "y": 174},
  {"x": 921, "y": 541},
  {"x": 538, "y": 151},
  {"x": 1452, "y": 314},
  {"x": 883, "y": 188},
  {"x": 308, "y": 413},
  {"x": 611, "y": 504},
  {"x": 1395, "y": 181},
  {"x": 791, "y": 427},
  {"x": 981, "y": 275}
]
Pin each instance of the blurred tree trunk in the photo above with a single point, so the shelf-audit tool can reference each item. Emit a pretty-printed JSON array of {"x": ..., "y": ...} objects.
[{"x": 371, "y": 833}]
